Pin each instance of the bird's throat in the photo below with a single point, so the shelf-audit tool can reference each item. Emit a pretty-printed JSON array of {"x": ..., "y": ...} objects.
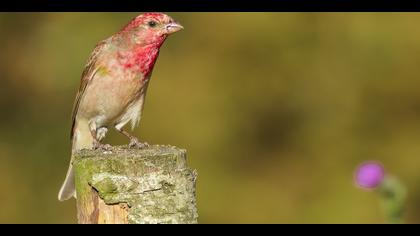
[{"x": 140, "y": 59}]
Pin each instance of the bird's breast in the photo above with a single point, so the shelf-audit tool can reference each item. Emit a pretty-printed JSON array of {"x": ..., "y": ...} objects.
[{"x": 110, "y": 93}]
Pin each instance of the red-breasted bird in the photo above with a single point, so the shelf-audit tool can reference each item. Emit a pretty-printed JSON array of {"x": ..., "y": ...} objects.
[{"x": 114, "y": 83}]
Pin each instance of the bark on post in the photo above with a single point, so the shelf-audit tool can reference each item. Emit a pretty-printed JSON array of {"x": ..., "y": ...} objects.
[{"x": 151, "y": 185}]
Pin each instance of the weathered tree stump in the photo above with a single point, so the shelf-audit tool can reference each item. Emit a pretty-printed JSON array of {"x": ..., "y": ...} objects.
[{"x": 152, "y": 185}]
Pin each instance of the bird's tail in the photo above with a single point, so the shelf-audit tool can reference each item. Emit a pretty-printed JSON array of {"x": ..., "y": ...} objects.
[{"x": 82, "y": 138}]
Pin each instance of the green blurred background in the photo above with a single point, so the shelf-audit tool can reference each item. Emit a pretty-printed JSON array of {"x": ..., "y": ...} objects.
[{"x": 275, "y": 109}]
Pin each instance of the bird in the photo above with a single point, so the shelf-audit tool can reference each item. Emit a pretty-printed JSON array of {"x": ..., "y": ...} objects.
[{"x": 113, "y": 86}]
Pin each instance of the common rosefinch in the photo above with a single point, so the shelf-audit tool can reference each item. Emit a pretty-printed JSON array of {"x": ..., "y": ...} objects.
[{"x": 114, "y": 84}]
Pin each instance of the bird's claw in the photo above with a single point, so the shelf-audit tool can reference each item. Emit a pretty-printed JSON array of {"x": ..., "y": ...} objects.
[
  {"x": 101, "y": 146},
  {"x": 134, "y": 143}
]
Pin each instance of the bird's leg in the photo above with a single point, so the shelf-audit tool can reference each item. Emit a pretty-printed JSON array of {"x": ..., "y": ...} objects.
[
  {"x": 101, "y": 133},
  {"x": 134, "y": 142},
  {"x": 97, "y": 136}
]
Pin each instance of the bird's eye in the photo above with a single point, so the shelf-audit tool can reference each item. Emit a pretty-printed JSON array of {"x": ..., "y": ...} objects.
[{"x": 152, "y": 23}]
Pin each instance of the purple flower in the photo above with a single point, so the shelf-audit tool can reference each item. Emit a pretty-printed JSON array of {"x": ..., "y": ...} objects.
[{"x": 369, "y": 174}]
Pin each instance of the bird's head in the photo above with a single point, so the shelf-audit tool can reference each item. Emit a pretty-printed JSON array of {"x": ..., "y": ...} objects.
[{"x": 150, "y": 28}]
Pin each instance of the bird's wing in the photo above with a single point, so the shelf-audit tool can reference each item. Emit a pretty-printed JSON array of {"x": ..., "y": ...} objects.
[{"x": 87, "y": 75}]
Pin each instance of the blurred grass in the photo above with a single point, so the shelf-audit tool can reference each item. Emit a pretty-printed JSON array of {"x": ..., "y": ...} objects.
[{"x": 275, "y": 109}]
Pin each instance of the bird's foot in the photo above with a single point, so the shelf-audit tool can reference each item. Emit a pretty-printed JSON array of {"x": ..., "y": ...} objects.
[
  {"x": 101, "y": 146},
  {"x": 135, "y": 143}
]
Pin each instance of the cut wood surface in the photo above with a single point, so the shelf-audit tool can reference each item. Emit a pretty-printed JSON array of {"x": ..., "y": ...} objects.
[{"x": 135, "y": 186}]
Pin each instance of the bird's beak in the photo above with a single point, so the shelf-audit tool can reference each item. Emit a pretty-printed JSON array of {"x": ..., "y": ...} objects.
[{"x": 173, "y": 27}]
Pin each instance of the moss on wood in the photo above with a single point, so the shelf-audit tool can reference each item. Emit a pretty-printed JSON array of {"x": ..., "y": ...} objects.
[{"x": 154, "y": 182}]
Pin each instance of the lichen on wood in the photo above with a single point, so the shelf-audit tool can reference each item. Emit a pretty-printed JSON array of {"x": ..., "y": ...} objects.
[{"x": 122, "y": 185}]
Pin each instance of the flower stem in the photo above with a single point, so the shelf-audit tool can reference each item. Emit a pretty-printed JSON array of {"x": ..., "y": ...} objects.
[{"x": 393, "y": 196}]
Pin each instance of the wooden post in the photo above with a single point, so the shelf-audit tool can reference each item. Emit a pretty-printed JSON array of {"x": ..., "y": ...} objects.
[{"x": 135, "y": 186}]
